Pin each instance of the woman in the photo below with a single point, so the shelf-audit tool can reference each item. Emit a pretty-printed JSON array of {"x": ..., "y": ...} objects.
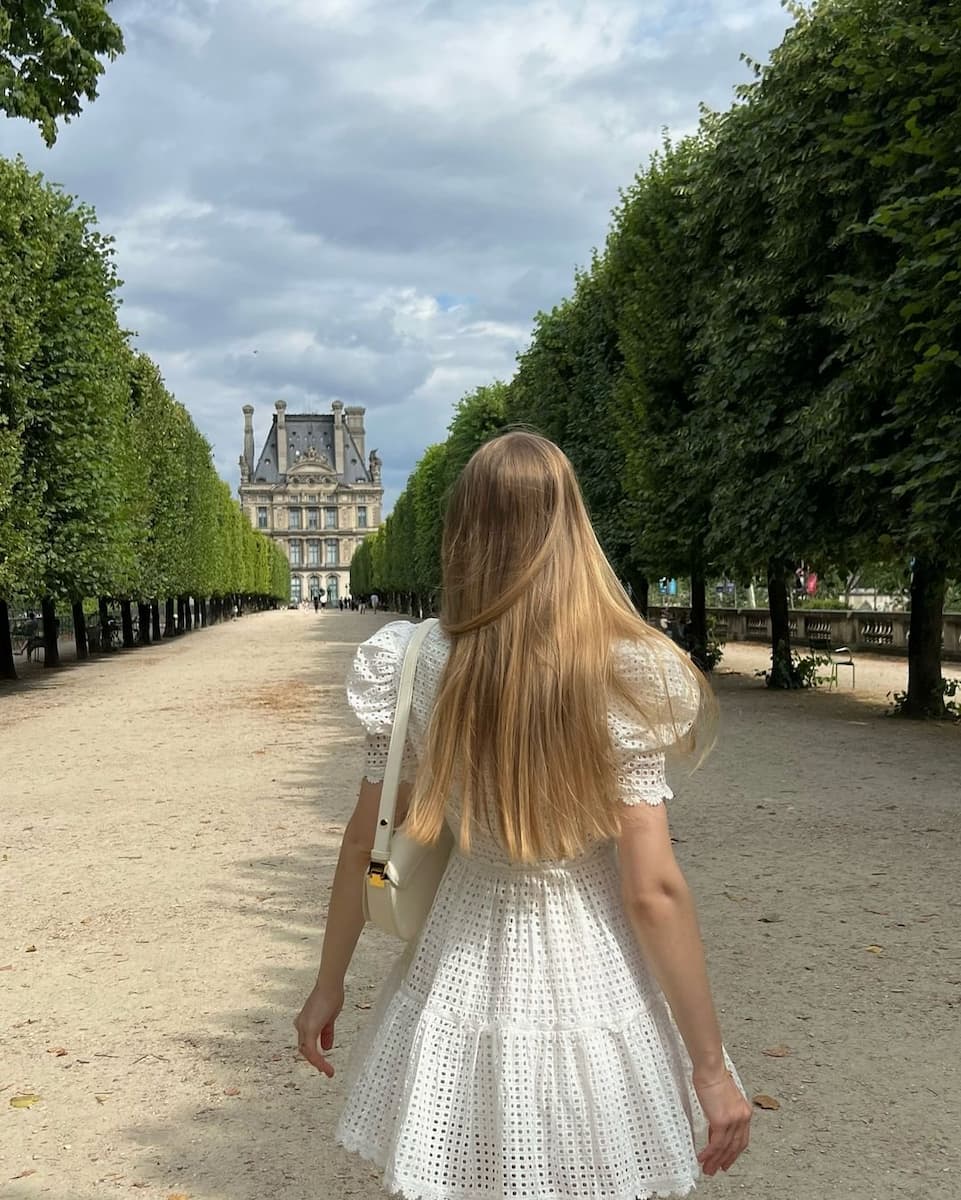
[{"x": 551, "y": 1033}]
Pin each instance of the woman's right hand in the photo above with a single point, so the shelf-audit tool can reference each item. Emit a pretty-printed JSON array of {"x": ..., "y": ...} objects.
[
  {"x": 729, "y": 1119},
  {"x": 315, "y": 1026}
]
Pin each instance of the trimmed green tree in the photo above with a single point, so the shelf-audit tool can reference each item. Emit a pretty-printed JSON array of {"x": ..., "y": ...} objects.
[{"x": 51, "y": 54}]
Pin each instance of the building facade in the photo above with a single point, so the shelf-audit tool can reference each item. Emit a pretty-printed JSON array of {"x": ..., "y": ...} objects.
[{"x": 313, "y": 490}]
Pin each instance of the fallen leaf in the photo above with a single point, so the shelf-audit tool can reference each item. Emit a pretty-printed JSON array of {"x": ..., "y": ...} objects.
[
  {"x": 777, "y": 1052},
  {"x": 178, "y": 1196},
  {"x": 101, "y": 1097},
  {"x": 232, "y": 1091},
  {"x": 8, "y": 967},
  {"x": 874, "y": 949},
  {"x": 24, "y": 1174},
  {"x": 767, "y": 1102},
  {"x": 58, "y": 1050},
  {"x": 27, "y": 1100},
  {"x": 31, "y": 950},
  {"x": 363, "y": 1006},
  {"x": 773, "y": 919}
]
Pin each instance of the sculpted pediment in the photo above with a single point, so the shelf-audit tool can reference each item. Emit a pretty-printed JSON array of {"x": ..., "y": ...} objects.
[{"x": 311, "y": 462}]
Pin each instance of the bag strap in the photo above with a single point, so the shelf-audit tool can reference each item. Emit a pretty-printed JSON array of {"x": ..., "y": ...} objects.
[{"x": 380, "y": 852}]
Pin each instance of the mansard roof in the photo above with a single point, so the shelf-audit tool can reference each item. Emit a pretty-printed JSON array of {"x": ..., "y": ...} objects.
[{"x": 309, "y": 431}]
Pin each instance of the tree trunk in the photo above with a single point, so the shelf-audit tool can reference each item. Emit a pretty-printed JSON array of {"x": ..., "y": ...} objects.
[
  {"x": 697, "y": 643},
  {"x": 925, "y": 696},
  {"x": 126, "y": 624},
  {"x": 51, "y": 647},
  {"x": 170, "y": 624},
  {"x": 155, "y": 620},
  {"x": 80, "y": 630},
  {"x": 640, "y": 588},
  {"x": 104, "y": 613},
  {"x": 783, "y": 674},
  {"x": 8, "y": 668},
  {"x": 143, "y": 622}
]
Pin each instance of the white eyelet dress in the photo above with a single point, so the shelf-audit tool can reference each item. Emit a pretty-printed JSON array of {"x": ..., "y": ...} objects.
[{"x": 519, "y": 1049}]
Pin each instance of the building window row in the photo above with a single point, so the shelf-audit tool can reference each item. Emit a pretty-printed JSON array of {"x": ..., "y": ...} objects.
[
  {"x": 331, "y": 552},
  {"x": 306, "y": 589},
  {"x": 309, "y": 518}
]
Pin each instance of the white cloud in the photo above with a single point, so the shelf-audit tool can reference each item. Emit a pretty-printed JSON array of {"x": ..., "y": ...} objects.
[{"x": 371, "y": 200}]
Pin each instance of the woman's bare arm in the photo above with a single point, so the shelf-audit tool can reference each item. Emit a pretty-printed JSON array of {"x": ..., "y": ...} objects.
[
  {"x": 661, "y": 910},
  {"x": 345, "y": 920}
]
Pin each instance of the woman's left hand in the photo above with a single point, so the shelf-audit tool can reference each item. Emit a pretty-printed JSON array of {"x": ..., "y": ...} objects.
[{"x": 315, "y": 1026}]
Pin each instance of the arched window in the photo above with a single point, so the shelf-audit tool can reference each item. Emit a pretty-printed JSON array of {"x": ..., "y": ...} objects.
[
  {"x": 331, "y": 589},
  {"x": 295, "y": 584},
  {"x": 314, "y": 586}
]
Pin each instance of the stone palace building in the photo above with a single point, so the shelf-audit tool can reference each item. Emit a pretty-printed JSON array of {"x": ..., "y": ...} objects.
[{"x": 314, "y": 491}]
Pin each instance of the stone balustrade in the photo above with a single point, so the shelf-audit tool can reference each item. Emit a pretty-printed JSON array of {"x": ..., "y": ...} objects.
[{"x": 864, "y": 631}]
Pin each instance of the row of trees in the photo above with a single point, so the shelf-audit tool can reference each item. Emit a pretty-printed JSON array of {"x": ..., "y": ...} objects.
[
  {"x": 763, "y": 365},
  {"x": 107, "y": 489}
]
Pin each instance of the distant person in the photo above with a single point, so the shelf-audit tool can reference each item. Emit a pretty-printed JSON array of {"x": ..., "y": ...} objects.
[
  {"x": 316, "y": 602},
  {"x": 374, "y": 601},
  {"x": 550, "y": 1031}
]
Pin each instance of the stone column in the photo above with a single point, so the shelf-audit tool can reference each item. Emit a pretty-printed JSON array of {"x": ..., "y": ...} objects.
[
  {"x": 354, "y": 415},
  {"x": 249, "y": 438},
  {"x": 338, "y": 407},
  {"x": 281, "y": 407}
]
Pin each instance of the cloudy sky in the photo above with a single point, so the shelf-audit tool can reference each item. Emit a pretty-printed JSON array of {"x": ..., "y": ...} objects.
[{"x": 370, "y": 199}]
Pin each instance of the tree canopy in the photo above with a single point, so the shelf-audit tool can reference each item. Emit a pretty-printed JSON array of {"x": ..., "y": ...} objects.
[
  {"x": 51, "y": 56},
  {"x": 107, "y": 488},
  {"x": 761, "y": 367}
]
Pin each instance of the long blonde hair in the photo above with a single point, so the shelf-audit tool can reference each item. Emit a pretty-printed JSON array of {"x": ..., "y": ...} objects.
[{"x": 533, "y": 611}]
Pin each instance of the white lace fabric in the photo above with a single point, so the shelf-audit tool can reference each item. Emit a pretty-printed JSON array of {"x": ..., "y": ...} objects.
[{"x": 520, "y": 1049}]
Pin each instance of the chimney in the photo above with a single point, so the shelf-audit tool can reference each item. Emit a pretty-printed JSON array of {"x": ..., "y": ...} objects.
[
  {"x": 355, "y": 423},
  {"x": 281, "y": 407},
  {"x": 338, "y": 407},
  {"x": 249, "y": 438}
]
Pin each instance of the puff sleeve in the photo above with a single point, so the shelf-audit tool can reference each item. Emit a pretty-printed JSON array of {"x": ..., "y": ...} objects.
[
  {"x": 673, "y": 698},
  {"x": 372, "y": 693}
]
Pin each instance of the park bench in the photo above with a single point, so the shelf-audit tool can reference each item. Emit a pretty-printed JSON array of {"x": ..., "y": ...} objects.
[{"x": 820, "y": 643}]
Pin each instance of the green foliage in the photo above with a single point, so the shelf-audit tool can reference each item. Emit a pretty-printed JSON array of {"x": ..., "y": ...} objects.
[
  {"x": 668, "y": 454},
  {"x": 949, "y": 689},
  {"x": 63, "y": 395},
  {"x": 107, "y": 488},
  {"x": 804, "y": 671},
  {"x": 715, "y": 645},
  {"x": 565, "y": 389},
  {"x": 50, "y": 57},
  {"x": 479, "y": 416},
  {"x": 763, "y": 365}
]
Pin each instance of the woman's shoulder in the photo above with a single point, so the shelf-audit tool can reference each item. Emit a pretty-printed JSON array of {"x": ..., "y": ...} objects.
[
  {"x": 648, "y": 659},
  {"x": 663, "y": 680},
  {"x": 390, "y": 637},
  {"x": 373, "y": 677},
  {"x": 381, "y": 654}
]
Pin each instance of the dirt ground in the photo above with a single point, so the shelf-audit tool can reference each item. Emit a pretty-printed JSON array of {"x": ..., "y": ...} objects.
[{"x": 170, "y": 820}]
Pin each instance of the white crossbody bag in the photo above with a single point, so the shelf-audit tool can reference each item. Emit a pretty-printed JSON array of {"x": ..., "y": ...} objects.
[{"x": 403, "y": 875}]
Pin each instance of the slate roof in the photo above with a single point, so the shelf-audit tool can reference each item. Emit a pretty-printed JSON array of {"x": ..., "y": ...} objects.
[{"x": 304, "y": 430}]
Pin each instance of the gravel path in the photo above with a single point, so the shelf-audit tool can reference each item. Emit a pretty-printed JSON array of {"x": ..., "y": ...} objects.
[{"x": 170, "y": 821}]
